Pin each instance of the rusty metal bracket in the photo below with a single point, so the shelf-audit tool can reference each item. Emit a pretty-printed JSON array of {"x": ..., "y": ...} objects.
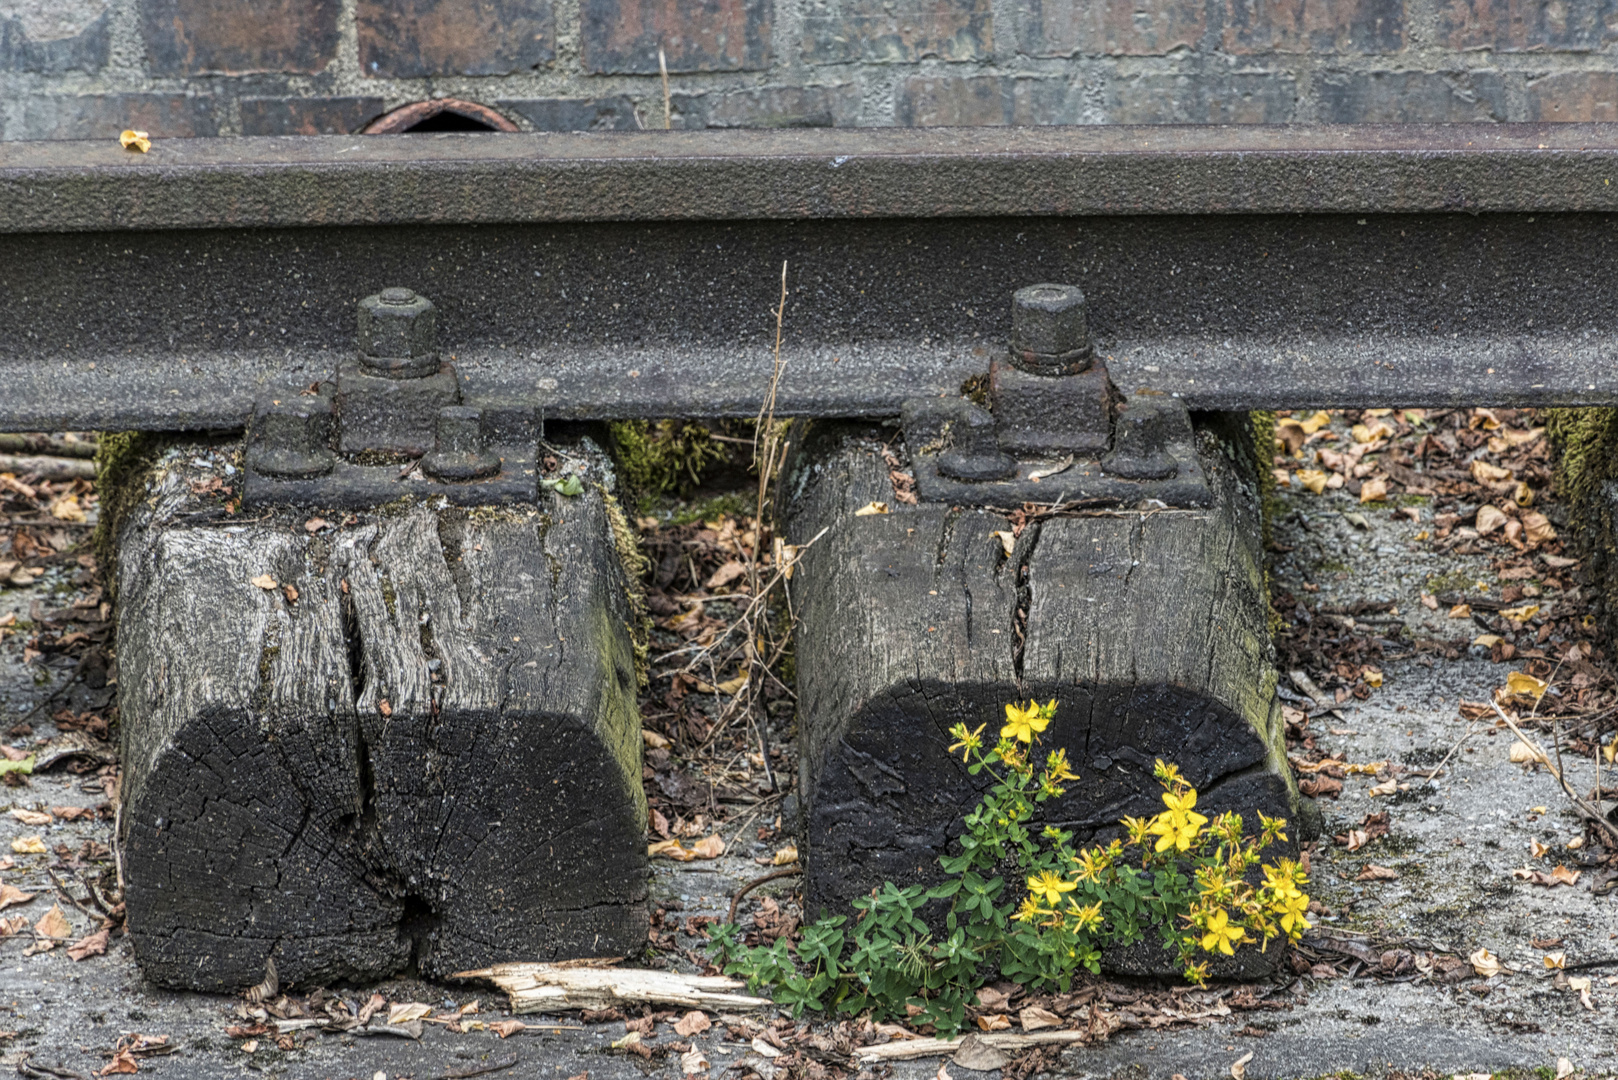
[
  {"x": 1057, "y": 430},
  {"x": 393, "y": 424}
]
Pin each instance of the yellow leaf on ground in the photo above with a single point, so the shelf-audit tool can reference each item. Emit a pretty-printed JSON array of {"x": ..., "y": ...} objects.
[
  {"x": 1525, "y": 685},
  {"x": 1522, "y": 494},
  {"x": 1536, "y": 850},
  {"x": 1484, "y": 473},
  {"x": 1390, "y": 786},
  {"x": 871, "y": 508},
  {"x": 1313, "y": 480},
  {"x": 1461, "y": 611},
  {"x": 654, "y": 740},
  {"x": 1555, "y": 960},
  {"x": 785, "y": 856},
  {"x": 1488, "y": 641},
  {"x": 28, "y": 845},
  {"x": 670, "y": 849},
  {"x": 1374, "y": 490},
  {"x": 1373, "y": 677},
  {"x": 1521, "y": 614},
  {"x": 1008, "y": 540},
  {"x": 709, "y": 847},
  {"x": 54, "y": 924},
  {"x": 31, "y": 817},
  {"x": 10, "y": 894},
  {"x": 1312, "y": 424},
  {"x": 135, "y": 141},
  {"x": 264, "y": 581},
  {"x": 1523, "y": 754}
]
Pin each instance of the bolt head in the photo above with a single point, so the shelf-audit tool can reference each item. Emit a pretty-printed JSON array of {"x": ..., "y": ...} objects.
[
  {"x": 398, "y": 333},
  {"x": 1050, "y": 329}
]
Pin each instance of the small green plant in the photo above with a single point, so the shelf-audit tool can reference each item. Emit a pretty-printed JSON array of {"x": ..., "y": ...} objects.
[{"x": 1178, "y": 873}]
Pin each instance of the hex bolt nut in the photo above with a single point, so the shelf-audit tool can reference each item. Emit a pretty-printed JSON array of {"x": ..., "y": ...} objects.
[
  {"x": 1050, "y": 330},
  {"x": 460, "y": 454},
  {"x": 291, "y": 438},
  {"x": 1141, "y": 436},
  {"x": 398, "y": 334}
]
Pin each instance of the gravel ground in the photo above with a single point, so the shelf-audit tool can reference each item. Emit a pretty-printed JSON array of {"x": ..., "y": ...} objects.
[{"x": 1453, "y": 842}]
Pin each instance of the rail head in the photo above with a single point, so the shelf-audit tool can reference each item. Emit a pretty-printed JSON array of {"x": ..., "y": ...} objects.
[{"x": 464, "y": 179}]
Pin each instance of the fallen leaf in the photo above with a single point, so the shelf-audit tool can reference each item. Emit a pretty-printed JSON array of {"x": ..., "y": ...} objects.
[
  {"x": 11, "y": 896},
  {"x": 871, "y": 508},
  {"x": 692, "y": 1062},
  {"x": 1537, "y": 529},
  {"x": 670, "y": 849},
  {"x": 1357, "y": 838},
  {"x": 31, "y": 817},
  {"x": 1461, "y": 611},
  {"x": 654, "y": 740},
  {"x": 1489, "y": 520},
  {"x": 1373, "y": 872},
  {"x": 1033, "y": 1018},
  {"x": 93, "y": 945},
  {"x": 1238, "y": 1068},
  {"x": 785, "y": 856},
  {"x": 1488, "y": 641},
  {"x": 709, "y": 847},
  {"x": 1372, "y": 677},
  {"x": 406, "y": 1011},
  {"x": 1313, "y": 480},
  {"x": 1582, "y": 987},
  {"x": 997, "y": 1022},
  {"x": 1564, "y": 1069},
  {"x": 1314, "y": 423},
  {"x": 1555, "y": 961},
  {"x": 1390, "y": 786},
  {"x": 67, "y": 508},
  {"x": 136, "y": 142},
  {"x": 1374, "y": 491},
  {"x": 727, "y": 573},
  {"x": 1521, "y": 614},
  {"x": 28, "y": 845},
  {"x": 1008, "y": 541},
  {"x": 1486, "y": 963},
  {"x": 1536, "y": 850},
  {"x": 315, "y": 524},
  {"x": 1523, "y": 754},
  {"x": 692, "y": 1023},
  {"x": 764, "y": 1049},
  {"x": 507, "y": 1028},
  {"x": 290, "y": 593},
  {"x": 265, "y": 582},
  {"x": 943, "y": 1072},
  {"x": 1359, "y": 521},
  {"x": 1524, "y": 685},
  {"x": 54, "y": 924},
  {"x": 124, "y": 1062},
  {"x": 1563, "y": 876},
  {"x": 1485, "y": 473}
]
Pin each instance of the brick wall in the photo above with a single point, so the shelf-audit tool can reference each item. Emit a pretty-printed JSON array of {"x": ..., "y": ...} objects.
[{"x": 89, "y": 68}]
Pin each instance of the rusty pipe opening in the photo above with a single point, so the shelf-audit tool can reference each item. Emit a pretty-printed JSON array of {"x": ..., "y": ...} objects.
[{"x": 438, "y": 114}]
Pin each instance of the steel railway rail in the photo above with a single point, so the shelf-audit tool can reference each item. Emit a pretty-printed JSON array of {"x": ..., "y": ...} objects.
[{"x": 624, "y": 275}]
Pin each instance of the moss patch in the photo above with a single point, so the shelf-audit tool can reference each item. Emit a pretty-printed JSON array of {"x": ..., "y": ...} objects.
[
  {"x": 636, "y": 567},
  {"x": 664, "y": 457},
  {"x": 1584, "y": 449},
  {"x": 123, "y": 461}
]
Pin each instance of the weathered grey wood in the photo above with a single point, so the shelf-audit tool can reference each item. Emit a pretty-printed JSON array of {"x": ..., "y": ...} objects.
[
  {"x": 1148, "y": 628},
  {"x": 431, "y": 755}
]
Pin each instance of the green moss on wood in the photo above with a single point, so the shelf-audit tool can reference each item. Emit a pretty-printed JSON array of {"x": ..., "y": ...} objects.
[
  {"x": 123, "y": 464},
  {"x": 1584, "y": 451},
  {"x": 636, "y": 567},
  {"x": 663, "y": 457}
]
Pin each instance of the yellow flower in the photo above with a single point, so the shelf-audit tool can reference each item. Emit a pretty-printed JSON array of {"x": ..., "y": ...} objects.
[
  {"x": 1023, "y": 724},
  {"x": 1049, "y": 886},
  {"x": 968, "y": 740},
  {"x": 1029, "y": 910},
  {"x": 1282, "y": 880},
  {"x": 1292, "y": 910},
  {"x": 1091, "y": 863},
  {"x": 1138, "y": 829},
  {"x": 1178, "y": 826},
  {"x": 1220, "y": 934},
  {"x": 1056, "y": 764},
  {"x": 1085, "y": 918}
]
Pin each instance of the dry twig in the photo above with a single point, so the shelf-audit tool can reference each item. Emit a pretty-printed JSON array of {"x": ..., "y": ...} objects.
[{"x": 1586, "y": 811}]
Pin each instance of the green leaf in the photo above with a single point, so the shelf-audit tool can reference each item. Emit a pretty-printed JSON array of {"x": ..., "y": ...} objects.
[
  {"x": 568, "y": 485},
  {"x": 25, "y": 766}
]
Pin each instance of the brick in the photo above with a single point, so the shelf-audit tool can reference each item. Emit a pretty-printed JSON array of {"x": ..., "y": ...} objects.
[
  {"x": 308, "y": 116},
  {"x": 768, "y": 107},
  {"x": 623, "y": 36},
  {"x": 1300, "y": 26},
  {"x": 1255, "y": 98},
  {"x": 987, "y": 101},
  {"x": 416, "y": 38},
  {"x": 1516, "y": 25},
  {"x": 238, "y": 37},
  {"x": 1574, "y": 96},
  {"x": 51, "y": 37},
  {"x": 1110, "y": 27},
  {"x": 575, "y": 114},
  {"x": 1410, "y": 97},
  {"x": 103, "y": 116},
  {"x": 897, "y": 31}
]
